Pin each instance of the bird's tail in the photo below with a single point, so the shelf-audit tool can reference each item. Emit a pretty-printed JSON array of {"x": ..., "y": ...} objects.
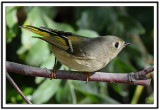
[
  {"x": 37, "y": 30},
  {"x": 52, "y": 38}
]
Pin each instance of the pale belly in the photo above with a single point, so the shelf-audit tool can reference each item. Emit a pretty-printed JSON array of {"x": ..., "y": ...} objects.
[{"x": 76, "y": 63}]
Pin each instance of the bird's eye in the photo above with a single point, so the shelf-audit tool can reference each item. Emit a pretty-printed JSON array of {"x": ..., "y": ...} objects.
[{"x": 116, "y": 45}]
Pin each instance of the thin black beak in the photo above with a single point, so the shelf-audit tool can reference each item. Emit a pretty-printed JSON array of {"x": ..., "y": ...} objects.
[{"x": 126, "y": 43}]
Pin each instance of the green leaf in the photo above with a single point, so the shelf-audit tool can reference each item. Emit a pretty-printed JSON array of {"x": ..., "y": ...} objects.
[
  {"x": 38, "y": 80},
  {"x": 85, "y": 100},
  {"x": 103, "y": 88},
  {"x": 10, "y": 34},
  {"x": 131, "y": 25},
  {"x": 27, "y": 41},
  {"x": 59, "y": 95},
  {"x": 26, "y": 91},
  {"x": 90, "y": 90},
  {"x": 35, "y": 17},
  {"x": 95, "y": 18},
  {"x": 58, "y": 26},
  {"x": 38, "y": 53},
  {"x": 87, "y": 88},
  {"x": 72, "y": 91},
  {"x": 11, "y": 23},
  {"x": 87, "y": 33},
  {"x": 64, "y": 95},
  {"x": 150, "y": 99},
  {"x": 109, "y": 67},
  {"x": 11, "y": 18},
  {"x": 45, "y": 91},
  {"x": 116, "y": 28},
  {"x": 119, "y": 89},
  {"x": 49, "y": 62},
  {"x": 123, "y": 67}
]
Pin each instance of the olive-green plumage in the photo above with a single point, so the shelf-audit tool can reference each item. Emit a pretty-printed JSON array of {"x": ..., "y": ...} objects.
[{"x": 80, "y": 52}]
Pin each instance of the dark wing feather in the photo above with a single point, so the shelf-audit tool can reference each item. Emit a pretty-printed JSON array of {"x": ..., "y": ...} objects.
[
  {"x": 60, "y": 32},
  {"x": 74, "y": 41},
  {"x": 67, "y": 41}
]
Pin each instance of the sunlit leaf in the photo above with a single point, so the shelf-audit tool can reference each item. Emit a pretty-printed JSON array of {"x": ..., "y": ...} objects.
[
  {"x": 38, "y": 53},
  {"x": 45, "y": 91},
  {"x": 11, "y": 22},
  {"x": 87, "y": 33}
]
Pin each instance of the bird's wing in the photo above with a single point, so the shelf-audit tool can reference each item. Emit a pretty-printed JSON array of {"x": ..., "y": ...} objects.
[
  {"x": 66, "y": 41},
  {"x": 60, "y": 32}
]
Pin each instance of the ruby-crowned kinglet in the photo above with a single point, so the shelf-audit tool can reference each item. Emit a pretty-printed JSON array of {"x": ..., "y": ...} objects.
[{"x": 80, "y": 52}]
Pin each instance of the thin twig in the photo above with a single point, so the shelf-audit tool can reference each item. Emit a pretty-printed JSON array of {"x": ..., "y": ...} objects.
[
  {"x": 17, "y": 88},
  {"x": 75, "y": 75}
]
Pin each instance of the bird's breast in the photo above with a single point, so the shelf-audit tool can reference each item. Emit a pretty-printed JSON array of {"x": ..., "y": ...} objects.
[{"x": 86, "y": 65}]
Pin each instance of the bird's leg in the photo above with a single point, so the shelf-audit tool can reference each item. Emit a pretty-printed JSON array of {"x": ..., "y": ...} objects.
[
  {"x": 53, "y": 74},
  {"x": 87, "y": 76}
]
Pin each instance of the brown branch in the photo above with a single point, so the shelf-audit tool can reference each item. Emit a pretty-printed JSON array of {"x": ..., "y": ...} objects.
[
  {"x": 137, "y": 78},
  {"x": 17, "y": 88}
]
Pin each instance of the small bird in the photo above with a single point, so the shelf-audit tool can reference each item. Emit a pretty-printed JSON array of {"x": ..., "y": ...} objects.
[{"x": 79, "y": 52}]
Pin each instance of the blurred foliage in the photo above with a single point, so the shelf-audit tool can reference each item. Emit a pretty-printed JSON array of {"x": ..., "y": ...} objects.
[{"x": 133, "y": 24}]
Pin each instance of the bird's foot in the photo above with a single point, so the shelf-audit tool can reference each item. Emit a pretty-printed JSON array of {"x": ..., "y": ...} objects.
[
  {"x": 87, "y": 76},
  {"x": 53, "y": 74}
]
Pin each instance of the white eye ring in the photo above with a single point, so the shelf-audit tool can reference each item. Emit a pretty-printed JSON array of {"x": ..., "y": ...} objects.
[{"x": 116, "y": 45}]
